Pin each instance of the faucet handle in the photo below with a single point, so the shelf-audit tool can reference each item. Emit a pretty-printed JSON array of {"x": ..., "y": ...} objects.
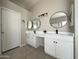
[{"x": 56, "y": 31}]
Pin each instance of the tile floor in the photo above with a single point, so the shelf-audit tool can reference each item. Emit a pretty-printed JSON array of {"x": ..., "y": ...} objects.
[{"x": 26, "y": 52}]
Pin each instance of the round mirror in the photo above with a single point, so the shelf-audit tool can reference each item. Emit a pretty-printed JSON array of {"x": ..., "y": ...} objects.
[
  {"x": 36, "y": 24},
  {"x": 58, "y": 20},
  {"x": 29, "y": 24}
]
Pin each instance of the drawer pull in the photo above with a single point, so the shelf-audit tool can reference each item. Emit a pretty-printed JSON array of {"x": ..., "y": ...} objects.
[
  {"x": 56, "y": 42},
  {"x": 53, "y": 41}
]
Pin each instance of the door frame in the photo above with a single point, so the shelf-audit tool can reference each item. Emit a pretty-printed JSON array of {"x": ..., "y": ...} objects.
[
  {"x": 76, "y": 28},
  {"x": 1, "y": 28},
  {"x": 0, "y": 32}
]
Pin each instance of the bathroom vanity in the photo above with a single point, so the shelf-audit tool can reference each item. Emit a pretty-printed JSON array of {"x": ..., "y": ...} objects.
[
  {"x": 35, "y": 40},
  {"x": 57, "y": 45}
]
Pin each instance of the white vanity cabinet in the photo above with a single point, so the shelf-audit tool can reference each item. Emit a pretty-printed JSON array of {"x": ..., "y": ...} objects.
[
  {"x": 32, "y": 40},
  {"x": 29, "y": 38},
  {"x": 59, "y": 46},
  {"x": 49, "y": 45}
]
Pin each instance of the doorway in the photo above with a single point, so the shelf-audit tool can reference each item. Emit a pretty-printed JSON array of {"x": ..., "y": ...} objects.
[{"x": 10, "y": 29}]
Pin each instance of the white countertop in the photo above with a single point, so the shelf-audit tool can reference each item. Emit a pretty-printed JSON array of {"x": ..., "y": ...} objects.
[{"x": 41, "y": 33}]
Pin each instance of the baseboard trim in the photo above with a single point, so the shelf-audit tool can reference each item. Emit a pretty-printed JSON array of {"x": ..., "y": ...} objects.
[
  {"x": 23, "y": 45},
  {"x": 10, "y": 49}
]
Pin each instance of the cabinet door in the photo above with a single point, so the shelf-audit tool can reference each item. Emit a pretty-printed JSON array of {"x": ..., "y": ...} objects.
[
  {"x": 50, "y": 46},
  {"x": 29, "y": 39},
  {"x": 64, "y": 48}
]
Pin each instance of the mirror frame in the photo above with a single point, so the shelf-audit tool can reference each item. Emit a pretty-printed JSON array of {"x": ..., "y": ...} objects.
[
  {"x": 27, "y": 25},
  {"x": 32, "y": 24},
  {"x": 39, "y": 23},
  {"x": 54, "y": 14}
]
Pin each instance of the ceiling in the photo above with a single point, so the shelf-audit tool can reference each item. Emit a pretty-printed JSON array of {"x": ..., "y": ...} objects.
[{"x": 27, "y": 4}]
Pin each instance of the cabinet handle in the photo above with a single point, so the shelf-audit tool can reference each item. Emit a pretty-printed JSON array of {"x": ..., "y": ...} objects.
[{"x": 54, "y": 42}]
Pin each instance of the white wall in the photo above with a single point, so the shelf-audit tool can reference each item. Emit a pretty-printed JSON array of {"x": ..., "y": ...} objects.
[
  {"x": 24, "y": 15},
  {"x": 50, "y": 6},
  {"x": 76, "y": 28}
]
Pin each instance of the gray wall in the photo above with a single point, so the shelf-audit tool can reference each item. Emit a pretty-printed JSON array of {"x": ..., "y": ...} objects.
[
  {"x": 0, "y": 2},
  {"x": 51, "y": 6}
]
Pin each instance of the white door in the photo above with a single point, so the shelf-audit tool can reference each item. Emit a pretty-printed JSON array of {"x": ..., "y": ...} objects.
[
  {"x": 11, "y": 29},
  {"x": 50, "y": 46},
  {"x": 64, "y": 47}
]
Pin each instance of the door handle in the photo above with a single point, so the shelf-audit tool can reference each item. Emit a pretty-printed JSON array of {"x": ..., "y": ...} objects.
[{"x": 2, "y": 32}]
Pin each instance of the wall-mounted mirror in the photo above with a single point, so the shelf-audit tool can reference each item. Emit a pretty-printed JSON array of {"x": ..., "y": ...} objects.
[
  {"x": 36, "y": 24},
  {"x": 29, "y": 25},
  {"x": 58, "y": 20},
  {"x": 33, "y": 24}
]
